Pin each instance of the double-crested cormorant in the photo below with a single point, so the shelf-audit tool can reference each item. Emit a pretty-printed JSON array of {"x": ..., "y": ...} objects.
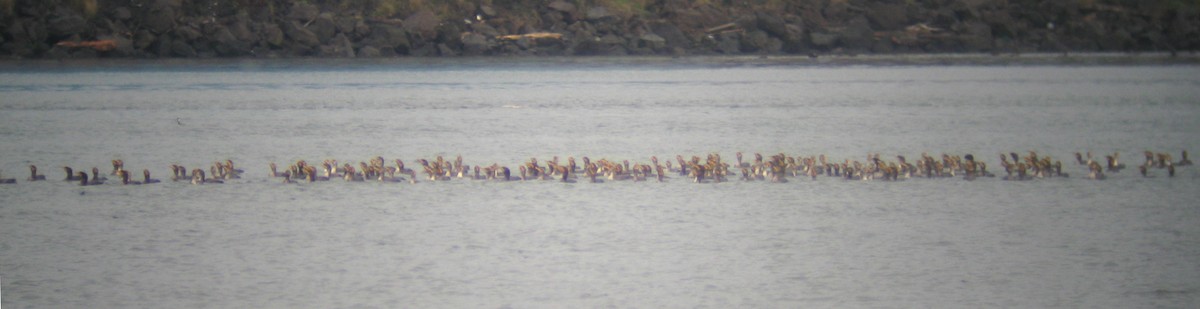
[{"x": 33, "y": 175}]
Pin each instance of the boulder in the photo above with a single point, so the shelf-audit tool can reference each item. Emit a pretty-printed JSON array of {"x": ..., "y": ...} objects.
[
  {"x": 272, "y": 34},
  {"x": 368, "y": 52},
  {"x": 226, "y": 44},
  {"x": 486, "y": 10},
  {"x": 122, "y": 13},
  {"x": 562, "y": 6},
  {"x": 159, "y": 19},
  {"x": 760, "y": 42},
  {"x": 475, "y": 44},
  {"x": 729, "y": 43},
  {"x": 977, "y": 37},
  {"x": 66, "y": 24},
  {"x": 143, "y": 39},
  {"x": 347, "y": 24},
  {"x": 187, "y": 32},
  {"x": 445, "y": 51},
  {"x": 484, "y": 29},
  {"x": 18, "y": 32},
  {"x": 181, "y": 48},
  {"x": 124, "y": 46},
  {"x": 673, "y": 36},
  {"x": 300, "y": 35},
  {"x": 858, "y": 35},
  {"x": 887, "y": 16},
  {"x": 339, "y": 46},
  {"x": 242, "y": 32},
  {"x": 599, "y": 13},
  {"x": 773, "y": 25},
  {"x": 422, "y": 25},
  {"x": 324, "y": 27},
  {"x": 387, "y": 38},
  {"x": 652, "y": 41},
  {"x": 303, "y": 11},
  {"x": 823, "y": 39}
]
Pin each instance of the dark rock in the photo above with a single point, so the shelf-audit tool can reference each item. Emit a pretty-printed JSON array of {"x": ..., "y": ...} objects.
[
  {"x": 368, "y": 52},
  {"x": 773, "y": 25},
  {"x": 187, "y": 32},
  {"x": 124, "y": 45},
  {"x": 599, "y": 13},
  {"x": 525, "y": 43},
  {"x": 424, "y": 50},
  {"x": 323, "y": 27},
  {"x": 887, "y": 16},
  {"x": 242, "y": 33},
  {"x": 159, "y": 19},
  {"x": 226, "y": 44},
  {"x": 445, "y": 51},
  {"x": 303, "y": 12},
  {"x": 487, "y": 10},
  {"x": 339, "y": 46},
  {"x": 669, "y": 32},
  {"x": 122, "y": 13},
  {"x": 450, "y": 34},
  {"x": 795, "y": 42},
  {"x": 611, "y": 39},
  {"x": 272, "y": 34},
  {"x": 977, "y": 37},
  {"x": 61, "y": 26},
  {"x": 388, "y": 38},
  {"x": 823, "y": 39},
  {"x": 181, "y": 48},
  {"x": 858, "y": 35},
  {"x": 1119, "y": 40},
  {"x": 143, "y": 39},
  {"x": 300, "y": 35},
  {"x": 422, "y": 25},
  {"x": 484, "y": 29},
  {"x": 475, "y": 44},
  {"x": 653, "y": 42},
  {"x": 562, "y": 6},
  {"x": 754, "y": 41},
  {"x": 361, "y": 29},
  {"x": 18, "y": 32},
  {"x": 728, "y": 43},
  {"x": 346, "y": 24}
]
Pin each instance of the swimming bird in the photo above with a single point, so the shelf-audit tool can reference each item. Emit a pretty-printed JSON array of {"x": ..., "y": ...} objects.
[
  {"x": 96, "y": 175},
  {"x": 8, "y": 180},
  {"x": 33, "y": 175},
  {"x": 146, "y": 177},
  {"x": 71, "y": 176},
  {"x": 275, "y": 173},
  {"x": 124, "y": 175},
  {"x": 96, "y": 178},
  {"x": 1183, "y": 161}
]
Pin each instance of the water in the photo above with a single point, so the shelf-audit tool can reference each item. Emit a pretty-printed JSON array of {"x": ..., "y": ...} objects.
[{"x": 1125, "y": 242}]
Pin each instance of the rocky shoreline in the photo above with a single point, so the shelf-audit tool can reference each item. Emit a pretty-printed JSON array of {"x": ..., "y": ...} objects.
[{"x": 369, "y": 29}]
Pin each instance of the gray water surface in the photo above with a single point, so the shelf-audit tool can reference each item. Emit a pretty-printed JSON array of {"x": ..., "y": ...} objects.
[{"x": 254, "y": 242}]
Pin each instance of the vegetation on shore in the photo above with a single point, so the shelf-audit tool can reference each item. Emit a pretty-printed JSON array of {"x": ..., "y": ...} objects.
[{"x": 389, "y": 28}]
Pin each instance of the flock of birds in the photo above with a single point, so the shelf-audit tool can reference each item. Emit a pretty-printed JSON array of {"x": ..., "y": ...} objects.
[{"x": 775, "y": 168}]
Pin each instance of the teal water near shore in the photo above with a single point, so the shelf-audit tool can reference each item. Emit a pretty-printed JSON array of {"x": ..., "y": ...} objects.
[{"x": 1128, "y": 241}]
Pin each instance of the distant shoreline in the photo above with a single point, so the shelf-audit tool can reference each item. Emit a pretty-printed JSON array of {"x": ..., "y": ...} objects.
[
  {"x": 719, "y": 61},
  {"x": 271, "y": 29}
]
